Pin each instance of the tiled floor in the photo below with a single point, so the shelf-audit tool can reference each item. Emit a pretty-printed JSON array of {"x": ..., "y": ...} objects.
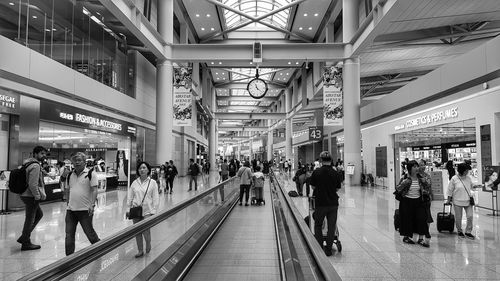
[
  {"x": 372, "y": 249},
  {"x": 244, "y": 248},
  {"x": 109, "y": 218}
]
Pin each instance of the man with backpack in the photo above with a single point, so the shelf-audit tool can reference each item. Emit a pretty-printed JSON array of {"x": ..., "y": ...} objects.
[
  {"x": 31, "y": 197},
  {"x": 82, "y": 186},
  {"x": 193, "y": 172},
  {"x": 325, "y": 182},
  {"x": 232, "y": 168}
]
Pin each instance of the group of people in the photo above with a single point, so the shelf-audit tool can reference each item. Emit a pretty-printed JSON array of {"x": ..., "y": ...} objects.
[
  {"x": 251, "y": 180},
  {"x": 166, "y": 177},
  {"x": 415, "y": 195}
]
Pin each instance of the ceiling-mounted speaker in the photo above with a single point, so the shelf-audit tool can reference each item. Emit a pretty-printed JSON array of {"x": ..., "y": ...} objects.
[{"x": 257, "y": 52}]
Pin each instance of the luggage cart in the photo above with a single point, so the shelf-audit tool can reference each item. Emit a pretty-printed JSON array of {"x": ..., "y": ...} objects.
[{"x": 310, "y": 223}]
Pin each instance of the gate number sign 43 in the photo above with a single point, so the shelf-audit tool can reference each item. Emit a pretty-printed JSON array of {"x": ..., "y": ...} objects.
[{"x": 315, "y": 133}]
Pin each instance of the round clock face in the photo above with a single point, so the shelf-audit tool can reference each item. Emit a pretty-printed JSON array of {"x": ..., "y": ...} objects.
[{"x": 257, "y": 88}]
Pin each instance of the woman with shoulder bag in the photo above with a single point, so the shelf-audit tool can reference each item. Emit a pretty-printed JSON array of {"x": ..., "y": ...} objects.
[
  {"x": 143, "y": 201},
  {"x": 411, "y": 207},
  {"x": 459, "y": 192}
]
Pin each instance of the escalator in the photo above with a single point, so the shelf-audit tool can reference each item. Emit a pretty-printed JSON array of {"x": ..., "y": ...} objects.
[{"x": 207, "y": 237}]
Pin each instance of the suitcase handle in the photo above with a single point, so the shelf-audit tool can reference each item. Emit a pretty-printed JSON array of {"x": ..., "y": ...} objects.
[{"x": 444, "y": 207}]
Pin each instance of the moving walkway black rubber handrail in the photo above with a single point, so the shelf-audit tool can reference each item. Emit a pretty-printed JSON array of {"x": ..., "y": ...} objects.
[
  {"x": 322, "y": 261},
  {"x": 72, "y": 263}
]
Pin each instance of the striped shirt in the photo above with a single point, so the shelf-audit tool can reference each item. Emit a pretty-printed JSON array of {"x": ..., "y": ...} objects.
[{"x": 414, "y": 191}]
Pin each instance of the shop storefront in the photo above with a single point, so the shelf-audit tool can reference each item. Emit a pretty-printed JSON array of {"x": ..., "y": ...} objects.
[{"x": 439, "y": 132}]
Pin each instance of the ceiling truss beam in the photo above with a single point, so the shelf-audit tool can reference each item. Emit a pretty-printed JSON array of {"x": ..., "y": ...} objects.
[{"x": 249, "y": 116}]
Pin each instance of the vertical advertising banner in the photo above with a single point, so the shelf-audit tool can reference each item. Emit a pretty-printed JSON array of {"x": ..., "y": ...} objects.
[
  {"x": 333, "y": 108},
  {"x": 182, "y": 98}
]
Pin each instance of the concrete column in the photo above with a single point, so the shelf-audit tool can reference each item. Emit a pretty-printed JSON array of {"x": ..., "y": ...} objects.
[
  {"x": 212, "y": 151},
  {"x": 270, "y": 140},
  {"x": 351, "y": 89},
  {"x": 288, "y": 128},
  {"x": 330, "y": 33},
  {"x": 251, "y": 150},
  {"x": 164, "y": 88}
]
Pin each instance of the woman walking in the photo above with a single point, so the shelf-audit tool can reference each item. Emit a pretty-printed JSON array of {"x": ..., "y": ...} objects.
[
  {"x": 459, "y": 192},
  {"x": 411, "y": 208},
  {"x": 143, "y": 192}
]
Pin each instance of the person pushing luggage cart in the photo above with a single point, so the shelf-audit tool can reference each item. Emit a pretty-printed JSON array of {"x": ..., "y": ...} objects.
[{"x": 325, "y": 182}]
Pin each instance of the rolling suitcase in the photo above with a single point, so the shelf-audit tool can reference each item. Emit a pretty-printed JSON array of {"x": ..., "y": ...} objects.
[
  {"x": 445, "y": 220},
  {"x": 397, "y": 220}
]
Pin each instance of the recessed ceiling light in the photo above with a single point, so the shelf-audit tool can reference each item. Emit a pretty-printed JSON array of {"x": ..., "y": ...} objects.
[
  {"x": 217, "y": 73},
  {"x": 212, "y": 29},
  {"x": 310, "y": 28},
  {"x": 53, "y": 29},
  {"x": 47, "y": 30},
  {"x": 12, "y": 4},
  {"x": 212, "y": 63},
  {"x": 251, "y": 62},
  {"x": 220, "y": 62},
  {"x": 217, "y": 78},
  {"x": 208, "y": 15},
  {"x": 197, "y": 15},
  {"x": 305, "y": 15},
  {"x": 297, "y": 63},
  {"x": 289, "y": 62},
  {"x": 316, "y": 14},
  {"x": 287, "y": 73},
  {"x": 202, "y": 28},
  {"x": 281, "y": 73},
  {"x": 300, "y": 28},
  {"x": 34, "y": 17}
]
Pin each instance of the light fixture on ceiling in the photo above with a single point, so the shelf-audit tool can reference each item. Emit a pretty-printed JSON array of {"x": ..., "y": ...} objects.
[
  {"x": 212, "y": 29},
  {"x": 300, "y": 28},
  {"x": 34, "y": 17},
  {"x": 212, "y": 63},
  {"x": 251, "y": 62},
  {"x": 316, "y": 14},
  {"x": 12, "y": 4},
  {"x": 297, "y": 62},
  {"x": 220, "y": 62},
  {"x": 208, "y": 15},
  {"x": 310, "y": 28},
  {"x": 289, "y": 62},
  {"x": 197, "y": 15},
  {"x": 217, "y": 73},
  {"x": 202, "y": 29},
  {"x": 305, "y": 15},
  {"x": 287, "y": 73}
]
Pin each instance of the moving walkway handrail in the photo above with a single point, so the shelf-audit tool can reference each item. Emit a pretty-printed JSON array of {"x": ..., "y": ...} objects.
[
  {"x": 72, "y": 263},
  {"x": 324, "y": 264}
]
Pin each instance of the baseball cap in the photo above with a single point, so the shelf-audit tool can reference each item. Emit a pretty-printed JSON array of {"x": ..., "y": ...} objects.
[{"x": 325, "y": 156}]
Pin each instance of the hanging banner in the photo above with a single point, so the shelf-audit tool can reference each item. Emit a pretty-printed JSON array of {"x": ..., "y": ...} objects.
[
  {"x": 333, "y": 109},
  {"x": 183, "y": 99}
]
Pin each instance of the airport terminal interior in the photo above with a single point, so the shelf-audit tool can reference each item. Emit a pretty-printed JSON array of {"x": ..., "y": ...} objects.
[{"x": 239, "y": 108}]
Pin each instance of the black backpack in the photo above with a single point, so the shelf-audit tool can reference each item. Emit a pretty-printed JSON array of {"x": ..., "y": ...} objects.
[
  {"x": 232, "y": 168},
  {"x": 17, "y": 179}
]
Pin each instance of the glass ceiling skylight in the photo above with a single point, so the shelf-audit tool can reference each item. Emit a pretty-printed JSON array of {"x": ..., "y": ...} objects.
[
  {"x": 257, "y": 8},
  {"x": 247, "y": 74}
]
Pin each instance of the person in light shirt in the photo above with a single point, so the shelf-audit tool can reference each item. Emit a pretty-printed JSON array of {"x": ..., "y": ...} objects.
[
  {"x": 459, "y": 192},
  {"x": 143, "y": 192}
]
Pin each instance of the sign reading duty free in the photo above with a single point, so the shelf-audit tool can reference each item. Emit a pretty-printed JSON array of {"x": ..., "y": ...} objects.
[{"x": 82, "y": 118}]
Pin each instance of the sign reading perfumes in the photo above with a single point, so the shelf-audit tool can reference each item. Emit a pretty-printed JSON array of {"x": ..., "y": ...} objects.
[
  {"x": 183, "y": 99},
  {"x": 428, "y": 119}
]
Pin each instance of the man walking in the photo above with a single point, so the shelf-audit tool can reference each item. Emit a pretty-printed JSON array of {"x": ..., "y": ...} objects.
[
  {"x": 224, "y": 170},
  {"x": 82, "y": 185},
  {"x": 35, "y": 192},
  {"x": 193, "y": 172},
  {"x": 325, "y": 182},
  {"x": 171, "y": 174}
]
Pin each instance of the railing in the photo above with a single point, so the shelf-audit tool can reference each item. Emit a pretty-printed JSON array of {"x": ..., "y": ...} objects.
[
  {"x": 106, "y": 260},
  {"x": 305, "y": 259}
]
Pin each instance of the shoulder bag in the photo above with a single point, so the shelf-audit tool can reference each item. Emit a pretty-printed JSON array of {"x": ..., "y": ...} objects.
[
  {"x": 136, "y": 212},
  {"x": 471, "y": 199}
]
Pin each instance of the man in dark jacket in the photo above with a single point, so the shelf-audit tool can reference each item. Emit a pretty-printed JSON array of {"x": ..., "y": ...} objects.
[
  {"x": 171, "y": 173},
  {"x": 193, "y": 172},
  {"x": 32, "y": 197},
  {"x": 325, "y": 182}
]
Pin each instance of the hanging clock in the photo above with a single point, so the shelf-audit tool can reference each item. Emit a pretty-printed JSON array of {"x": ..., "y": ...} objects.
[{"x": 257, "y": 87}]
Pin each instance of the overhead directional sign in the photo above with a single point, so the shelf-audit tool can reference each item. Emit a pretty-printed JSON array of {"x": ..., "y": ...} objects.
[{"x": 316, "y": 133}]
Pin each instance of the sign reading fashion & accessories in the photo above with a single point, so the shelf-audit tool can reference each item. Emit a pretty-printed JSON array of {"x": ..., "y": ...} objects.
[
  {"x": 9, "y": 102},
  {"x": 428, "y": 119},
  {"x": 79, "y": 117},
  {"x": 333, "y": 109},
  {"x": 183, "y": 99}
]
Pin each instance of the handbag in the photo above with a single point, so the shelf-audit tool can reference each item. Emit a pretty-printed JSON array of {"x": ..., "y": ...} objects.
[
  {"x": 136, "y": 212},
  {"x": 471, "y": 199}
]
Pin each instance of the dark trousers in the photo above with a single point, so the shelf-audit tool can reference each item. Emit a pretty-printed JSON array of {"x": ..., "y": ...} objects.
[
  {"x": 72, "y": 220},
  {"x": 225, "y": 177},
  {"x": 195, "y": 180},
  {"x": 413, "y": 217},
  {"x": 330, "y": 213},
  {"x": 244, "y": 188},
  {"x": 170, "y": 184},
  {"x": 32, "y": 216}
]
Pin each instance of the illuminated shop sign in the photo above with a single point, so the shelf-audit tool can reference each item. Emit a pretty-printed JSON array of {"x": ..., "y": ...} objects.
[
  {"x": 9, "y": 102},
  {"x": 74, "y": 116},
  {"x": 428, "y": 119}
]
